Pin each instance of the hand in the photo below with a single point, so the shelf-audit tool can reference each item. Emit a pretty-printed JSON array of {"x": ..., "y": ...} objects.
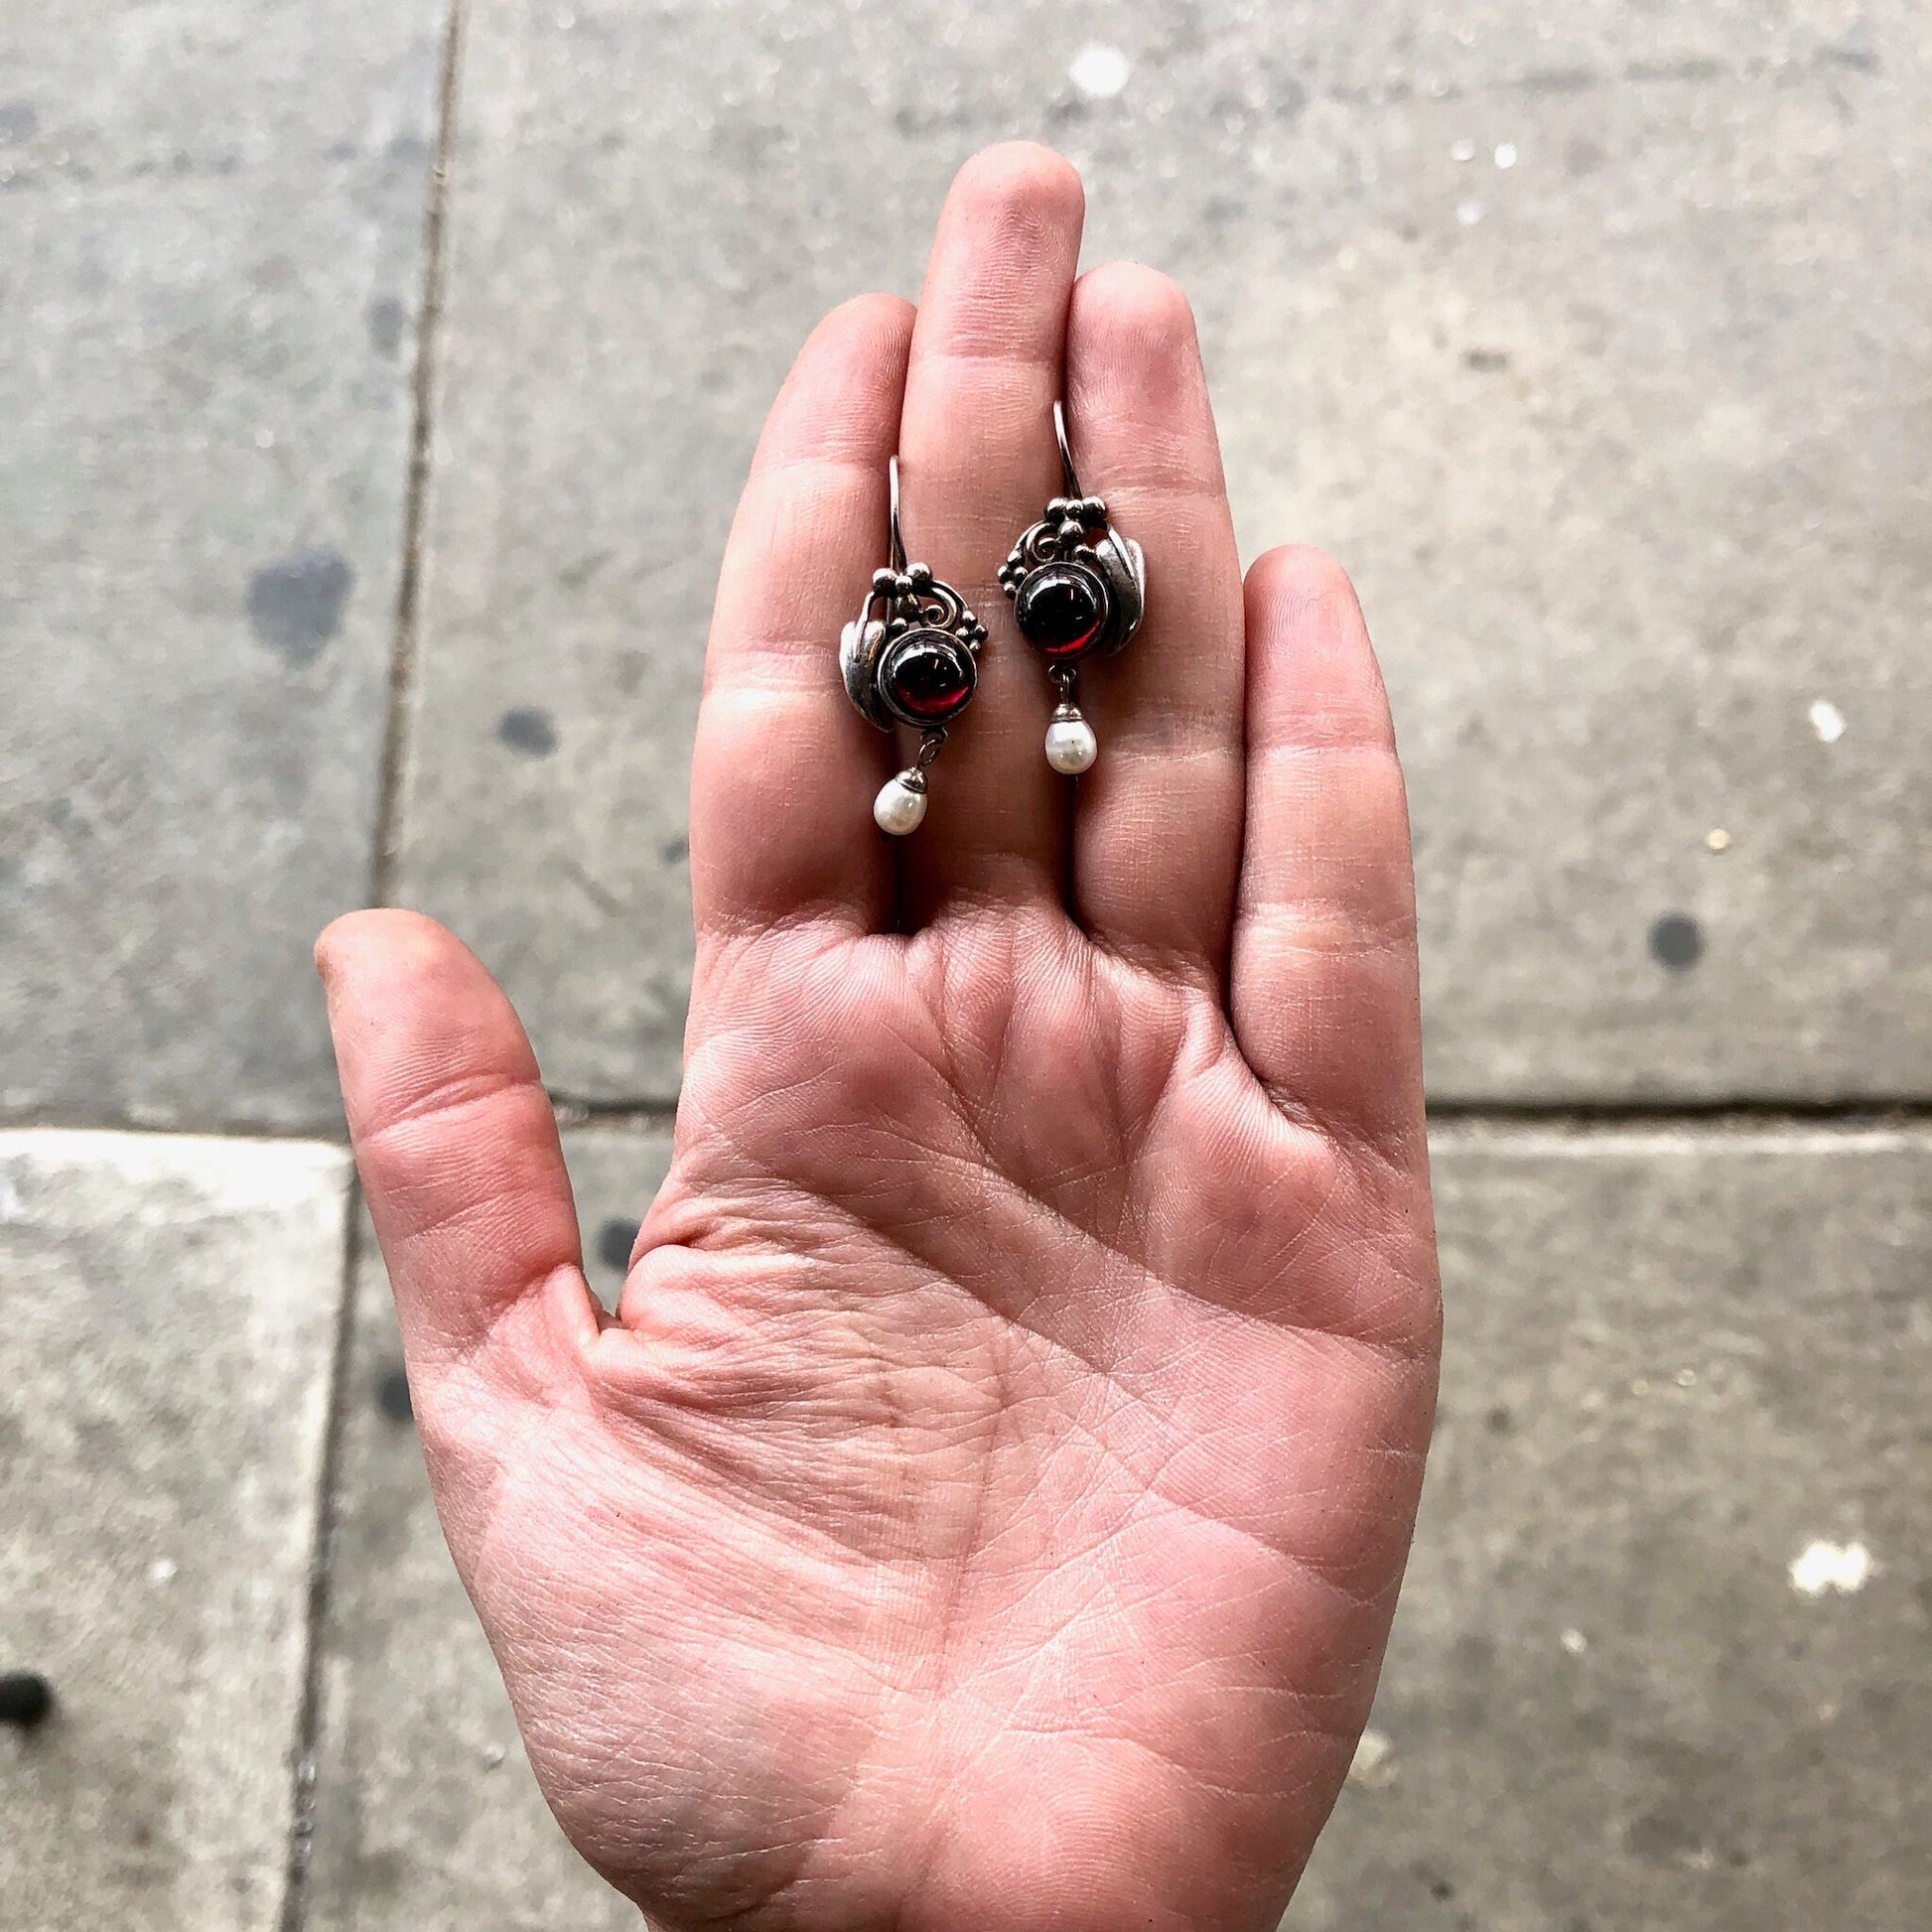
[{"x": 987, "y": 1506}]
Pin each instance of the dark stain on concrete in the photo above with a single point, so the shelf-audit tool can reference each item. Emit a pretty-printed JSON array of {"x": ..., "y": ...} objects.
[
  {"x": 529, "y": 729},
  {"x": 1677, "y": 941},
  {"x": 386, "y": 318},
  {"x": 392, "y": 1396},
  {"x": 296, "y": 603},
  {"x": 1561, "y": 81},
  {"x": 614, "y": 1243}
]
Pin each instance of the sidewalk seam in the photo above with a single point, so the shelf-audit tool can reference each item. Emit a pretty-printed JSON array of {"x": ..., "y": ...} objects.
[
  {"x": 1715, "y": 1118},
  {"x": 403, "y": 656},
  {"x": 305, "y": 1767}
]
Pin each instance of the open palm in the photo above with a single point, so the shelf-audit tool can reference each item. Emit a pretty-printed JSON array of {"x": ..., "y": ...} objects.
[{"x": 987, "y": 1507}]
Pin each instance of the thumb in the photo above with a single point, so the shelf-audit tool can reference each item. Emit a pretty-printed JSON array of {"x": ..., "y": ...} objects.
[{"x": 456, "y": 1144}]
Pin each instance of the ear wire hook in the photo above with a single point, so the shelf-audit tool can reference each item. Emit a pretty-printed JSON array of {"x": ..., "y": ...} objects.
[
  {"x": 899, "y": 542},
  {"x": 1070, "y": 480}
]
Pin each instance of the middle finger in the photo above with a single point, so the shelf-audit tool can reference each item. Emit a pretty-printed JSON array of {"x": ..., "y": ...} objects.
[{"x": 977, "y": 462}]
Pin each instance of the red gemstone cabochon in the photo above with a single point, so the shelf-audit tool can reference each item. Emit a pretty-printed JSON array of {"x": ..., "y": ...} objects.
[
  {"x": 1061, "y": 610},
  {"x": 927, "y": 677}
]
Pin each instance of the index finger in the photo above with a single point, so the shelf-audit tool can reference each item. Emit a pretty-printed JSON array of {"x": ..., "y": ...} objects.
[{"x": 783, "y": 771}]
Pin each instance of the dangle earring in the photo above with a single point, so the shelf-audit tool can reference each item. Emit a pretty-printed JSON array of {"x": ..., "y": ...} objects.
[
  {"x": 1077, "y": 587},
  {"x": 911, "y": 657}
]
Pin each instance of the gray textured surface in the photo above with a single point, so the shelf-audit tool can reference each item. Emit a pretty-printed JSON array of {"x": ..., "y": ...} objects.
[
  {"x": 1594, "y": 339},
  {"x": 211, "y": 214},
  {"x": 429, "y": 1819},
  {"x": 1674, "y": 1364},
  {"x": 167, "y": 1319},
  {"x": 1620, "y": 440}
]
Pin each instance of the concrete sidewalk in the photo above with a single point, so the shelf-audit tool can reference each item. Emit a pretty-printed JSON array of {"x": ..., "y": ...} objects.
[{"x": 364, "y": 515}]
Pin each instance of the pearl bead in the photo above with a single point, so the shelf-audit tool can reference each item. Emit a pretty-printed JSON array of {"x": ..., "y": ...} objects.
[
  {"x": 900, "y": 807},
  {"x": 1071, "y": 747}
]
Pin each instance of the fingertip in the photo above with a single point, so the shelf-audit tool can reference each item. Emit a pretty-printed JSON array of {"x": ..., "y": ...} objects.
[
  {"x": 1301, "y": 570},
  {"x": 874, "y": 309},
  {"x": 1004, "y": 257},
  {"x": 1312, "y": 671},
  {"x": 379, "y": 936},
  {"x": 385, "y": 965},
  {"x": 1020, "y": 175},
  {"x": 867, "y": 329},
  {"x": 848, "y": 375},
  {"x": 1138, "y": 308},
  {"x": 411, "y": 1006},
  {"x": 1138, "y": 394}
]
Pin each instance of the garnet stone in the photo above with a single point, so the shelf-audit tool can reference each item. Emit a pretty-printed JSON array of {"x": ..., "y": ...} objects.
[
  {"x": 926, "y": 678},
  {"x": 1061, "y": 611}
]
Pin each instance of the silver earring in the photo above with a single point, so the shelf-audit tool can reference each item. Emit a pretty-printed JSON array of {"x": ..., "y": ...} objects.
[
  {"x": 1077, "y": 587},
  {"x": 910, "y": 657}
]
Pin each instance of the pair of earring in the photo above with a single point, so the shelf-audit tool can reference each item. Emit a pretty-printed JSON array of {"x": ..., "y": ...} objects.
[{"x": 912, "y": 655}]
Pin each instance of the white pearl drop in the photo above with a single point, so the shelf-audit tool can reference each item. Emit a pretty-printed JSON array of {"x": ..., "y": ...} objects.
[
  {"x": 1071, "y": 747},
  {"x": 899, "y": 808}
]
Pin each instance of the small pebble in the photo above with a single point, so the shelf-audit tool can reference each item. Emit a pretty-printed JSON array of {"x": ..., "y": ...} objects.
[
  {"x": 1718, "y": 839},
  {"x": 1100, "y": 73},
  {"x": 1374, "y": 1765}
]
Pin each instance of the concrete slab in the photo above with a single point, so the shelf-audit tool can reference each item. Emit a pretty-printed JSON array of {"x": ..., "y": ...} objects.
[
  {"x": 1594, "y": 339},
  {"x": 167, "y": 1326},
  {"x": 210, "y": 217},
  {"x": 1678, "y": 1367},
  {"x": 1662, "y": 1659},
  {"x": 427, "y": 1818}
]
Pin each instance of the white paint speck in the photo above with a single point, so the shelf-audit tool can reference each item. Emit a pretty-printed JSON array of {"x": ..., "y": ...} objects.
[
  {"x": 1818, "y": 1566},
  {"x": 264, "y": 438},
  {"x": 1505, "y": 154},
  {"x": 1469, "y": 213},
  {"x": 1827, "y": 721},
  {"x": 1373, "y": 1765},
  {"x": 1463, "y": 150},
  {"x": 1100, "y": 73},
  {"x": 162, "y": 1570},
  {"x": 1575, "y": 1642}
]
